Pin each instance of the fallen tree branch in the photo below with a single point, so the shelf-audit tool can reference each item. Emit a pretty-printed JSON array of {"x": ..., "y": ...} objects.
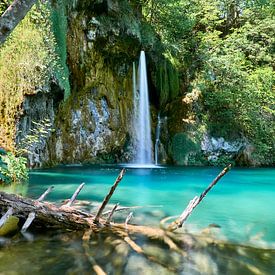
[
  {"x": 119, "y": 209},
  {"x": 43, "y": 196},
  {"x": 109, "y": 195},
  {"x": 77, "y": 191},
  {"x": 128, "y": 218},
  {"x": 195, "y": 201},
  {"x": 111, "y": 214},
  {"x": 48, "y": 215},
  {"x": 28, "y": 222},
  {"x": 13, "y": 16},
  {"x": 6, "y": 216}
]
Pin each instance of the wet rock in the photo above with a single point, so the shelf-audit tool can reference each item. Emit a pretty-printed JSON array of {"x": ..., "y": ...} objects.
[
  {"x": 211, "y": 145},
  {"x": 10, "y": 226}
]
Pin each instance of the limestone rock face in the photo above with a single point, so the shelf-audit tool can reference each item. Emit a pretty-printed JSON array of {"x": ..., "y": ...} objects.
[
  {"x": 94, "y": 124},
  {"x": 38, "y": 108}
]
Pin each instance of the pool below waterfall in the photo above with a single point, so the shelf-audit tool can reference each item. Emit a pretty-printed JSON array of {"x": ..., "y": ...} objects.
[{"x": 238, "y": 213}]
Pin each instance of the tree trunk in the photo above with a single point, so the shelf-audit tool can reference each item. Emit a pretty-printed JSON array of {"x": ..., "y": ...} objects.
[{"x": 12, "y": 16}]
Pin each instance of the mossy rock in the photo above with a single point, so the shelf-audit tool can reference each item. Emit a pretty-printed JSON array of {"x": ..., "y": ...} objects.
[
  {"x": 10, "y": 226},
  {"x": 182, "y": 147}
]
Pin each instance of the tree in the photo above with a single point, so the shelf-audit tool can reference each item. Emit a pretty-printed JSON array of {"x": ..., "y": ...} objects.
[{"x": 12, "y": 16}]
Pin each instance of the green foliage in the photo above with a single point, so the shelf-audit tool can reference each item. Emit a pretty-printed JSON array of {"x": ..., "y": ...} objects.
[
  {"x": 182, "y": 147},
  {"x": 3, "y": 165},
  {"x": 25, "y": 68},
  {"x": 167, "y": 81},
  {"x": 14, "y": 170},
  {"x": 59, "y": 27},
  {"x": 38, "y": 133},
  {"x": 33, "y": 55},
  {"x": 4, "y": 4},
  {"x": 225, "y": 49},
  {"x": 237, "y": 84}
]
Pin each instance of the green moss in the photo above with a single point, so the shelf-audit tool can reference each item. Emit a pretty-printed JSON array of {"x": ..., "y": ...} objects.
[
  {"x": 167, "y": 81},
  {"x": 59, "y": 26},
  {"x": 182, "y": 147}
]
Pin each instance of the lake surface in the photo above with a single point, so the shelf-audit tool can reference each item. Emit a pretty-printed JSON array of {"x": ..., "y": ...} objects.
[{"x": 239, "y": 210}]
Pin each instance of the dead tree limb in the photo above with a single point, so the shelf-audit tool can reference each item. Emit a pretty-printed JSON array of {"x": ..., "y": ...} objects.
[
  {"x": 43, "y": 196},
  {"x": 77, "y": 191},
  {"x": 119, "y": 209},
  {"x": 107, "y": 198},
  {"x": 128, "y": 218},
  {"x": 31, "y": 215},
  {"x": 111, "y": 214},
  {"x": 47, "y": 214},
  {"x": 28, "y": 222},
  {"x": 13, "y": 16},
  {"x": 6, "y": 216},
  {"x": 195, "y": 201}
]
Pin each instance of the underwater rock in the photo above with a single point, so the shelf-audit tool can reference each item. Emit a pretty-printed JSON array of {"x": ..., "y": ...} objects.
[{"x": 138, "y": 265}]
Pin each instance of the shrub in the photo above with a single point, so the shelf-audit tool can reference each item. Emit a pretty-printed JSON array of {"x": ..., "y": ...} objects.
[{"x": 13, "y": 169}]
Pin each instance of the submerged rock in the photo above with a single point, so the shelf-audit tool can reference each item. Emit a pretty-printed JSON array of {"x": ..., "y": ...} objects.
[{"x": 138, "y": 265}]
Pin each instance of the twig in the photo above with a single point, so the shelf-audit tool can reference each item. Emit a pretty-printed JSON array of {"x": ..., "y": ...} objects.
[
  {"x": 72, "y": 199},
  {"x": 194, "y": 202},
  {"x": 131, "y": 207},
  {"x": 28, "y": 222},
  {"x": 6, "y": 216},
  {"x": 129, "y": 217},
  {"x": 107, "y": 198},
  {"x": 31, "y": 215},
  {"x": 111, "y": 214},
  {"x": 43, "y": 196}
]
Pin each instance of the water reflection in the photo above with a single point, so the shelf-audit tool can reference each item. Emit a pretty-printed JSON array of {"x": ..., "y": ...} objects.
[{"x": 19, "y": 189}]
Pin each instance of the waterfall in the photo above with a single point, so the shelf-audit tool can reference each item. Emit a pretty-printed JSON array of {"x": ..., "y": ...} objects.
[
  {"x": 142, "y": 124},
  {"x": 157, "y": 139}
]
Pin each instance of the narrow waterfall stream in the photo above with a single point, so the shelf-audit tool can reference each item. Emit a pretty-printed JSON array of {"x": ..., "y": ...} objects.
[
  {"x": 157, "y": 139},
  {"x": 142, "y": 124}
]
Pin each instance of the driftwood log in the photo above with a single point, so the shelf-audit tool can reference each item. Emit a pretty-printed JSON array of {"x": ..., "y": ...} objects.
[{"x": 48, "y": 215}]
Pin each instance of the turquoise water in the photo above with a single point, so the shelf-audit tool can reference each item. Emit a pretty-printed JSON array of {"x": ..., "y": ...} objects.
[
  {"x": 242, "y": 203},
  {"x": 241, "y": 207}
]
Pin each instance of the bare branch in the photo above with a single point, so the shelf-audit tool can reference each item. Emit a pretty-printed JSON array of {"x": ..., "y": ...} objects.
[
  {"x": 129, "y": 217},
  {"x": 13, "y": 16},
  {"x": 43, "y": 196},
  {"x": 6, "y": 216},
  {"x": 28, "y": 222},
  {"x": 77, "y": 191},
  {"x": 111, "y": 214},
  {"x": 193, "y": 203},
  {"x": 107, "y": 198}
]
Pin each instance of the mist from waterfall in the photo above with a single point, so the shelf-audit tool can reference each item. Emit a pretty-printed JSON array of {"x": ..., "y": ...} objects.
[{"x": 142, "y": 120}]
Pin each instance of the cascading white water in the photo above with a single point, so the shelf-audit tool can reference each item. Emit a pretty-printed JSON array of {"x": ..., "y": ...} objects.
[
  {"x": 157, "y": 139},
  {"x": 142, "y": 124}
]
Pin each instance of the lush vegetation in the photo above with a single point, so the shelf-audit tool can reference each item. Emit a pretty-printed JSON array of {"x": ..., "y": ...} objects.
[
  {"x": 32, "y": 58},
  {"x": 220, "y": 50},
  {"x": 29, "y": 60},
  {"x": 225, "y": 50}
]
